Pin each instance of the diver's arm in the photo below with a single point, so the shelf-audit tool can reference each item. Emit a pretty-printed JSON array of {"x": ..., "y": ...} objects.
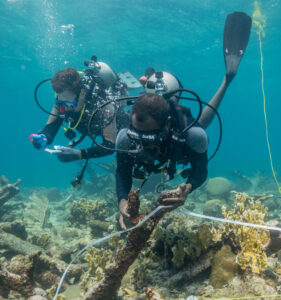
[
  {"x": 52, "y": 126},
  {"x": 123, "y": 175},
  {"x": 199, "y": 169},
  {"x": 97, "y": 151},
  {"x": 208, "y": 114},
  {"x": 197, "y": 147},
  {"x": 125, "y": 164}
]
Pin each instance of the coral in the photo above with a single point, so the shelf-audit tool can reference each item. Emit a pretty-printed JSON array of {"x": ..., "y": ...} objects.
[
  {"x": 199, "y": 265},
  {"x": 8, "y": 190},
  {"x": 152, "y": 294},
  {"x": 16, "y": 245},
  {"x": 48, "y": 279},
  {"x": 16, "y": 228},
  {"x": 179, "y": 239},
  {"x": 218, "y": 186},
  {"x": 251, "y": 240},
  {"x": 84, "y": 210},
  {"x": 248, "y": 285},
  {"x": 42, "y": 240},
  {"x": 37, "y": 297},
  {"x": 208, "y": 235},
  {"x": 178, "y": 253},
  {"x": 38, "y": 209},
  {"x": 69, "y": 233},
  {"x": 51, "y": 293},
  {"x": 98, "y": 228},
  {"x": 224, "y": 267},
  {"x": 213, "y": 208},
  {"x": 53, "y": 195},
  {"x": 18, "y": 276},
  {"x": 97, "y": 260}
]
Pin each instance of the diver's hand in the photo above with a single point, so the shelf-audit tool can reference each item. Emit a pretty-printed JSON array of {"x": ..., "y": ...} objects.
[
  {"x": 68, "y": 154},
  {"x": 179, "y": 196},
  {"x": 123, "y": 205},
  {"x": 39, "y": 141}
]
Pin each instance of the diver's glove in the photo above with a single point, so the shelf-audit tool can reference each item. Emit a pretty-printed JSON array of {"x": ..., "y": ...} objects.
[
  {"x": 39, "y": 141},
  {"x": 68, "y": 154}
]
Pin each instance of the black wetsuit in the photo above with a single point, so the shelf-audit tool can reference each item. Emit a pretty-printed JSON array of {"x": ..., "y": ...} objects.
[
  {"x": 95, "y": 95},
  {"x": 193, "y": 151}
]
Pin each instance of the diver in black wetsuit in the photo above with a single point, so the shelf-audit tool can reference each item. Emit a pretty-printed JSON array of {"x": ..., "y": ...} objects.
[
  {"x": 77, "y": 96},
  {"x": 154, "y": 125},
  {"x": 158, "y": 126}
]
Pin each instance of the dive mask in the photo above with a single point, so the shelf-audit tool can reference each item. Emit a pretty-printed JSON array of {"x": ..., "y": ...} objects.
[
  {"x": 64, "y": 104},
  {"x": 153, "y": 137}
]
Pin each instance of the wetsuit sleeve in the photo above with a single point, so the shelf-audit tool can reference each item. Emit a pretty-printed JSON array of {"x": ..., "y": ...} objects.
[
  {"x": 125, "y": 164},
  {"x": 52, "y": 126},
  {"x": 197, "y": 142},
  {"x": 123, "y": 175},
  {"x": 199, "y": 169},
  {"x": 97, "y": 151}
]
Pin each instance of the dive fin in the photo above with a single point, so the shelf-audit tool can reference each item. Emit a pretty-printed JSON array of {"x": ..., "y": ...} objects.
[
  {"x": 236, "y": 35},
  {"x": 131, "y": 82}
]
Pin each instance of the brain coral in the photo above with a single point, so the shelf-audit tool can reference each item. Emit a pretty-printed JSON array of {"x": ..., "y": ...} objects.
[{"x": 218, "y": 186}]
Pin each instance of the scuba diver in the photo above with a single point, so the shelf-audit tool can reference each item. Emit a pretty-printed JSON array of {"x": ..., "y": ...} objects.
[
  {"x": 77, "y": 95},
  {"x": 164, "y": 134}
]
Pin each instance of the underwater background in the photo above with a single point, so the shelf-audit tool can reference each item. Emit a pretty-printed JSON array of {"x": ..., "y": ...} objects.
[
  {"x": 45, "y": 223},
  {"x": 182, "y": 37}
]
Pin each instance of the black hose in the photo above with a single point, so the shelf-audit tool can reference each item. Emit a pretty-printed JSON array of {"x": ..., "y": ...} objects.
[{"x": 36, "y": 98}]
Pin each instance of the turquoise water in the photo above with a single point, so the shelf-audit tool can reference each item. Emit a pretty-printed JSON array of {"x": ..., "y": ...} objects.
[{"x": 183, "y": 37}]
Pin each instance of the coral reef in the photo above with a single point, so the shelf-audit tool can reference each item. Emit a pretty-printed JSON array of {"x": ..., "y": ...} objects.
[
  {"x": 8, "y": 190},
  {"x": 83, "y": 210},
  {"x": 53, "y": 195},
  {"x": 38, "y": 209},
  {"x": 179, "y": 257},
  {"x": 251, "y": 240}
]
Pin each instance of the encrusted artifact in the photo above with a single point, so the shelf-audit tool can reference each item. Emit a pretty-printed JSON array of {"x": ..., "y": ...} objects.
[{"x": 136, "y": 241}]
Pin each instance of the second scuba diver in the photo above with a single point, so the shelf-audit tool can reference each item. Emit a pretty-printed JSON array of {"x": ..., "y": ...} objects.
[{"x": 77, "y": 95}]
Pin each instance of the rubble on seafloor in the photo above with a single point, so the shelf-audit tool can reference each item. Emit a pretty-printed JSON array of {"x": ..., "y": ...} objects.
[{"x": 42, "y": 229}]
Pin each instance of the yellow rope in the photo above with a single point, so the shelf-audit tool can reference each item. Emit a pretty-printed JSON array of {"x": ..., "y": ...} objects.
[
  {"x": 249, "y": 297},
  {"x": 265, "y": 117},
  {"x": 259, "y": 21}
]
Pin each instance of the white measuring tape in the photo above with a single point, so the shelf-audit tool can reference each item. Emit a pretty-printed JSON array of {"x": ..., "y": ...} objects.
[
  {"x": 102, "y": 240},
  {"x": 188, "y": 213}
]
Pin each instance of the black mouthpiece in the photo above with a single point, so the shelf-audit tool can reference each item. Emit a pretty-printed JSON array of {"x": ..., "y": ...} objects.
[
  {"x": 86, "y": 63},
  {"x": 94, "y": 58}
]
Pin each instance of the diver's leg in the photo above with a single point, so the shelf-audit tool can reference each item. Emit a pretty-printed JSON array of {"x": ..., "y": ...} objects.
[{"x": 208, "y": 114}]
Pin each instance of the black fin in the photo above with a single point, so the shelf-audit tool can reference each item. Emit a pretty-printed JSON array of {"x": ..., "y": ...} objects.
[{"x": 236, "y": 35}]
